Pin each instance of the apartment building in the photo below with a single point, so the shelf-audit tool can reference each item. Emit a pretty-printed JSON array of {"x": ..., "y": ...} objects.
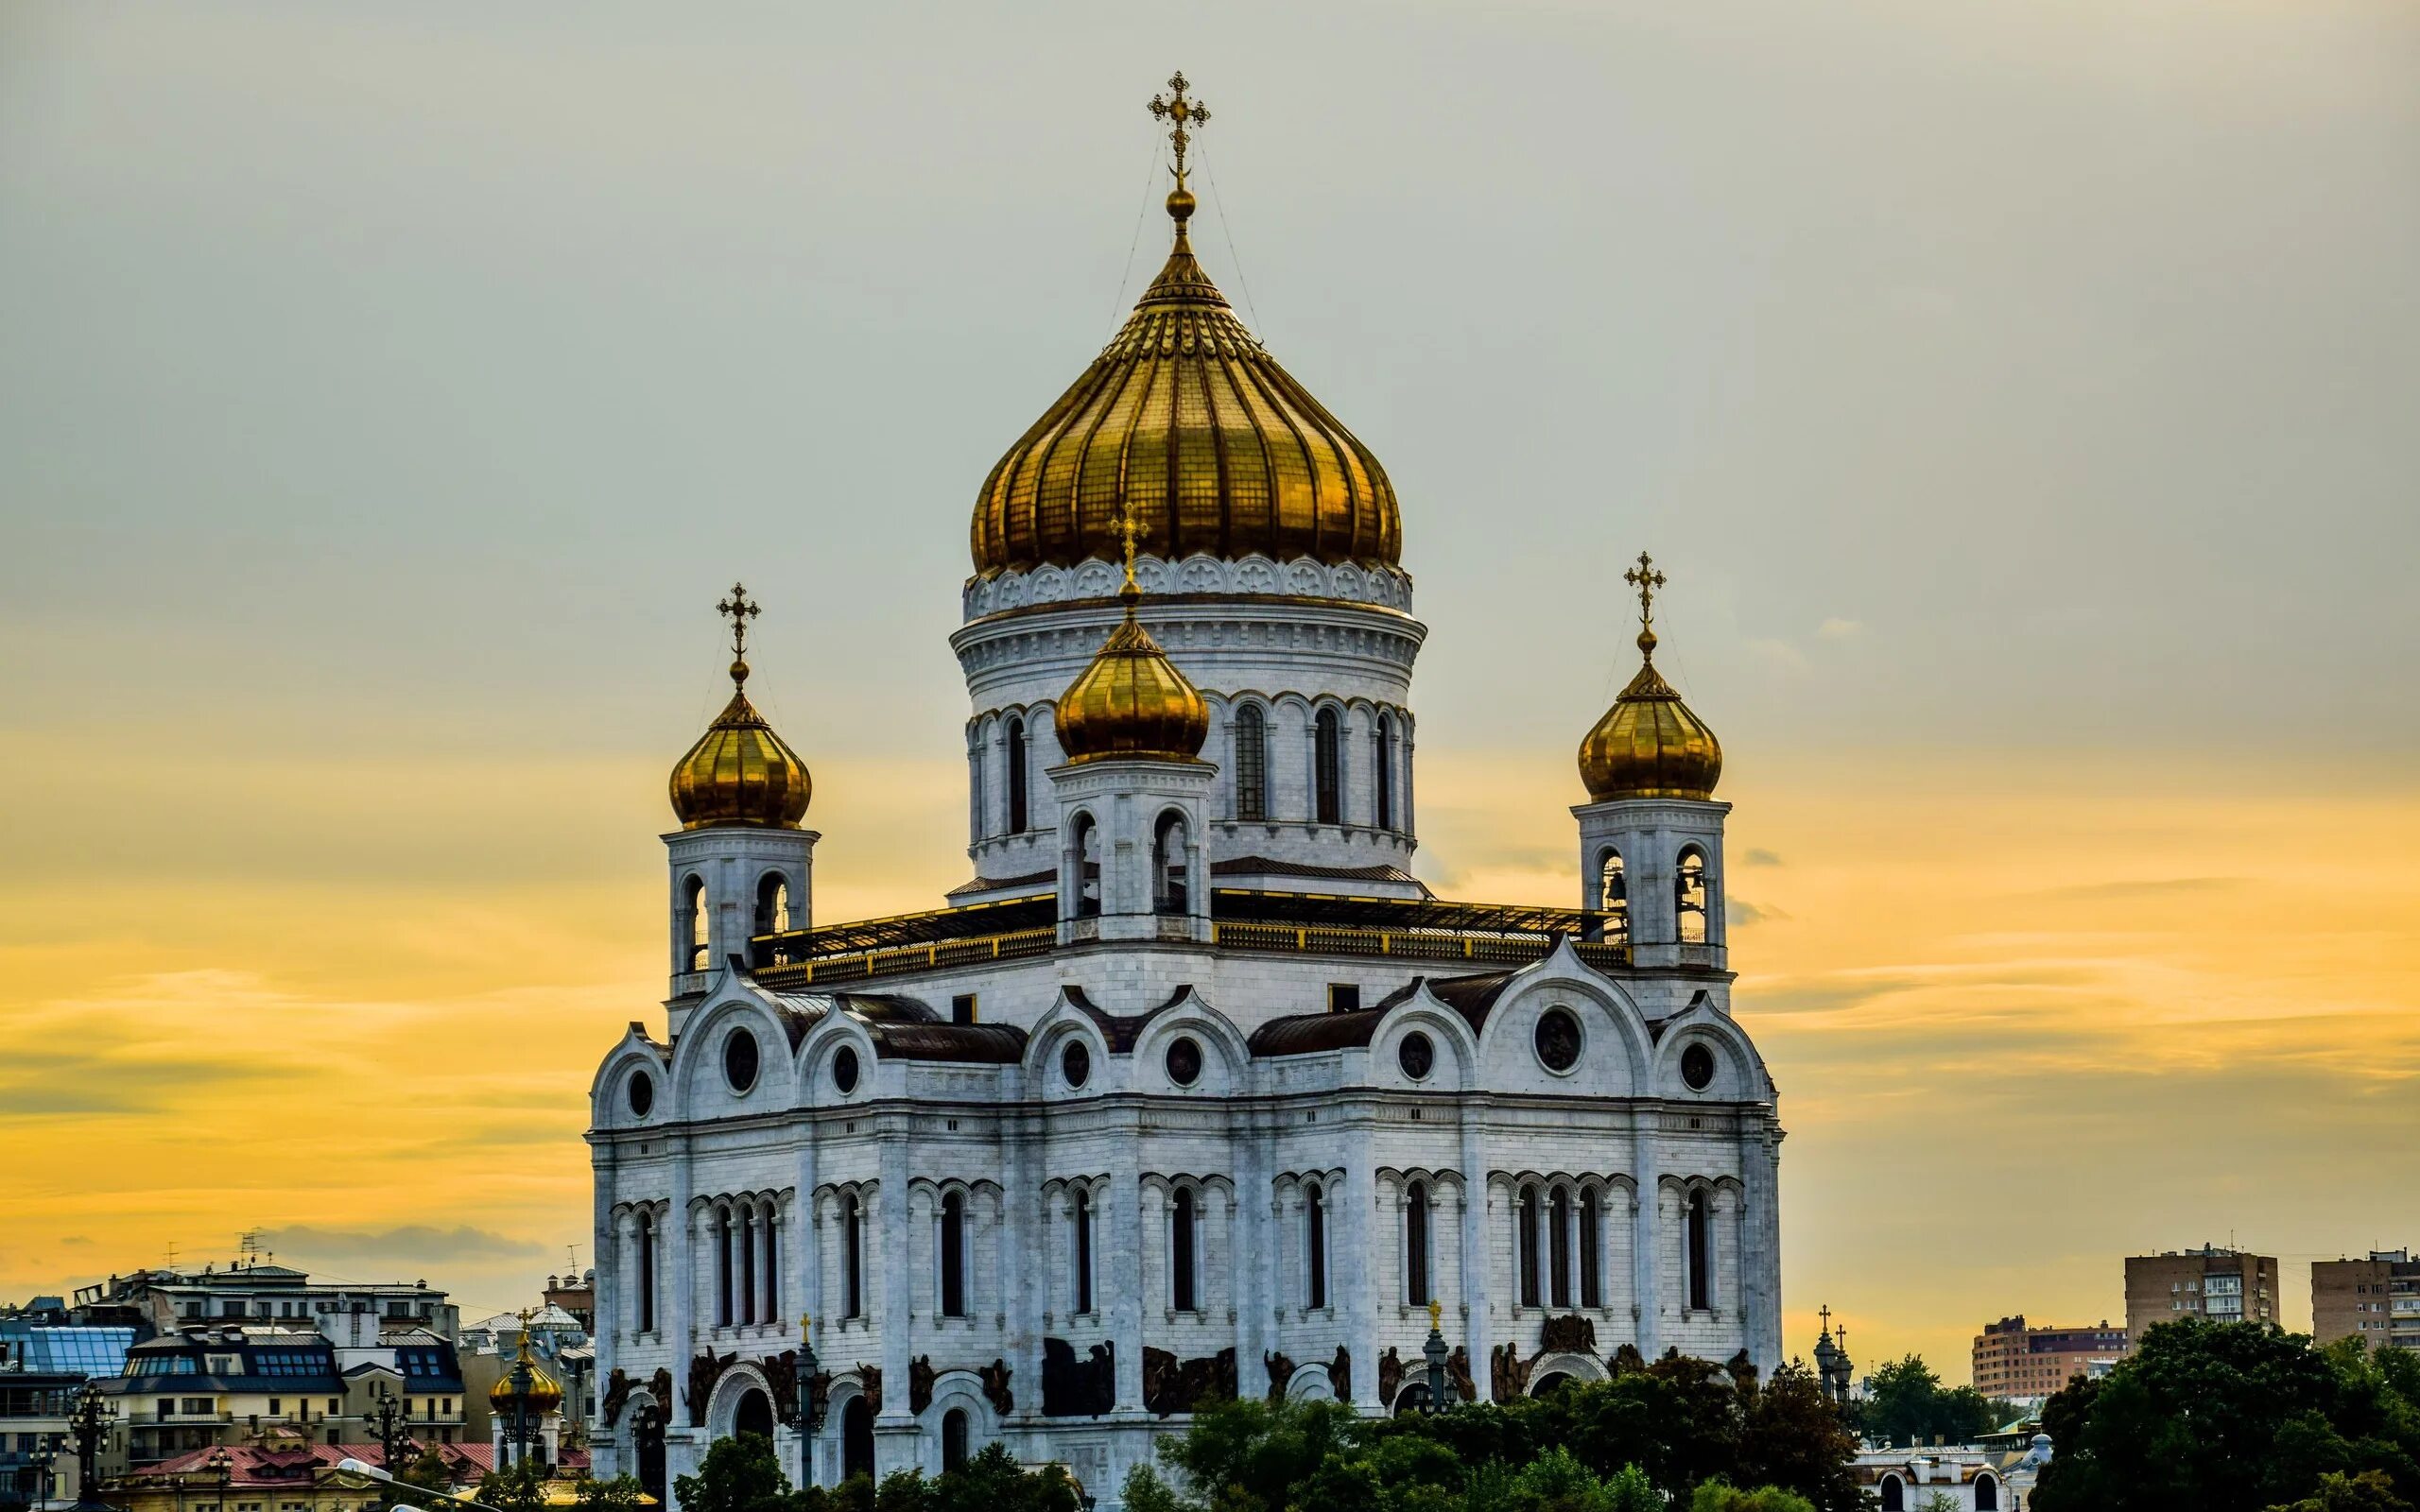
[
  {"x": 262, "y": 1292},
  {"x": 2024, "y": 1363},
  {"x": 2376, "y": 1300},
  {"x": 2219, "y": 1286}
]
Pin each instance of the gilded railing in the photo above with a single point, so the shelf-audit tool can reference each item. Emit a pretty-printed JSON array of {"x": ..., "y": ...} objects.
[{"x": 856, "y": 966}]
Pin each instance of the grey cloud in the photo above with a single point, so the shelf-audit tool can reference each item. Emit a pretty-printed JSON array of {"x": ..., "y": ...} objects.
[
  {"x": 1758, "y": 856},
  {"x": 416, "y": 1242}
]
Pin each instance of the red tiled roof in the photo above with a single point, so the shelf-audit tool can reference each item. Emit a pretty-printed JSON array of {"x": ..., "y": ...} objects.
[{"x": 273, "y": 1465}]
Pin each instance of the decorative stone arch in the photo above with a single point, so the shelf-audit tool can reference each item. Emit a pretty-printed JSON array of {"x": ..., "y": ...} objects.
[
  {"x": 831, "y": 1448},
  {"x": 1457, "y": 1046},
  {"x": 1226, "y": 1059},
  {"x": 819, "y": 1051},
  {"x": 1046, "y": 1050},
  {"x": 1584, "y": 1368},
  {"x": 722, "y": 1408},
  {"x": 1740, "y": 1073},
  {"x": 1310, "y": 1382},
  {"x": 698, "y": 1086},
  {"x": 1607, "y": 1012},
  {"x": 608, "y": 1101},
  {"x": 955, "y": 1391}
]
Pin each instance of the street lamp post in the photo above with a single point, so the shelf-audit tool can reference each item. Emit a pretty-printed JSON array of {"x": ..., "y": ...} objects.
[
  {"x": 391, "y": 1416},
  {"x": 810, "y": 1410},
  {"x": 88, "y": 1422},
  {"x": 1435, "y": 1351}
]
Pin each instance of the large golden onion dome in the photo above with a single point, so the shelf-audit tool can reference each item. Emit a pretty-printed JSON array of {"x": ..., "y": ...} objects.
[
  {"x": 740, "y": 771},
  {"x": 1184, "y": 422},
  {"x": 544, "y": 1395},
  {"x": 1649, "y": 745},
  {"x": 1132, "y": 701}
]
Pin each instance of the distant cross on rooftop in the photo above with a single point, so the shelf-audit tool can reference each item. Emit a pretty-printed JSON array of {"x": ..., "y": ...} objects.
[
  {"x": 1173, "y": 107},
  {"x": 740, "y": 610},
  {"x": 1646, "y": 581},
  {"x": 1825, "y": 1312}
]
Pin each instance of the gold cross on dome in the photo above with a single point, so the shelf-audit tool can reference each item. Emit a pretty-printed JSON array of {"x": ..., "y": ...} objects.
[
  {"x": 1126, "y": 532},
  {"x": 739, "y": 612},
  {"x": 1646, "y": 581},
  {"x": 1173, "y": 107}
]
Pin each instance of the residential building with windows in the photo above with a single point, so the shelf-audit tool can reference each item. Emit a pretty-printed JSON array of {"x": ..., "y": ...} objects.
[
  {"x": 251, "y": 1292},
  {"x": 2217, "y": 1285},
  {"x": 2024, "y": 1363},
  {"x": 2376, "y": 1300},
  {"x": 198, "y": 1389}
]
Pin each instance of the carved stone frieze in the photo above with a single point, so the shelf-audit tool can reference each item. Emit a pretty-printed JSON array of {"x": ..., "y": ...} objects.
[
  {"x": 919, "y": 1382},
  {"x": 617, "y": 1393},
  {"x": 1281, "y": 1370},
  {"x": 995, "y": 1386},
  {"x": 1567, "y": 1334}
]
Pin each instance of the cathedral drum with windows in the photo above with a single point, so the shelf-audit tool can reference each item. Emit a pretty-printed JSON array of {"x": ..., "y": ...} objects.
[{"x": 1193, "y": 1090}]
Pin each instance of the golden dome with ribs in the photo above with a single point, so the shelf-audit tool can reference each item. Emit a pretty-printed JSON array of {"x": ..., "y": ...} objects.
[
  {"x": 1130, "y": 701},
  {"x": 1187, "y": 424},
  {"x": 1649, "y": 745}
]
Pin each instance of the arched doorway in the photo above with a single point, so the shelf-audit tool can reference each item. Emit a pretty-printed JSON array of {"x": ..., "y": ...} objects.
[
  {"x": 646, "y": 1436},
  {"x": 754, "y": 1414},
  {"x": 1412, "y": 1400},
  {"x": 954, "y": 1439},
  {"x": 856, "y": 1439},
  {"x": 1552, "y": 1380}
]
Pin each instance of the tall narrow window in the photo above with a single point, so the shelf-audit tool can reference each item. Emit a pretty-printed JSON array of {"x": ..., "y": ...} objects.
[
  {"x": 722, "y": 1266},
  {"x": 746, "y": 1288},
  {"x": 771, "y": 1310},
  {"x": 699, "y": 940},
  {"x": 1688, "y": 884},
  {"x": 1613, "y": 897},
  {"x": 1559, "y": 1240},
  {"x": 1701, "y": 1232},
  {"x": 954, "y": 1440},
  {"x": 1180, "y": 1289},
  {"x": 1315, "y": 1241},
  {"x": 772, "y": 904},
  {"x": 1525, "y": 1245},
  {"x": 953, "y": 1248},
  {"x": 1382, "y": 769},
  {"x": 1083, "y": 1220},
  {"x": 1087, "y": 844},
  {"x": 1012, "y": 740},
  {"x": 1987, "y": 1494},
  {"x": 1252, "y": 763},
  {"x": 646, "y": 1271},
  {"x": 1169, "y": 855},
  {"x": 1592, "y": 1283},
  {"x": 1327, "y": 767},
  {"x": 1415, "y": 1246},
  {"x": 853, "y": 1256},
  {"x": 978, "y": 794}
]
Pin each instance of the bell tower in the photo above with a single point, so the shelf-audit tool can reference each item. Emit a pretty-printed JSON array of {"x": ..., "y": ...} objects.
[{"x": 742, "y": 863}]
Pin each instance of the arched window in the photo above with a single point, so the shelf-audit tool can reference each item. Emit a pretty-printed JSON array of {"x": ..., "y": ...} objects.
[
  {"x": 771, "y": 1310},
  {"x": 1382, "y": 769},
  {"x": 954, "y": 1440},
  {"x": 1689, "y": 895},
  {"x": 1415, "y": 1246},
  {"x": 856, "y": 1439},
  {"x": 722, "y": 1266},
  {"x": 1012, "y": 741},
  {"x": 1170, "y": 855},
  {"x": 852, "y": 1253},
  {"x": 1181, "y": 1224},
  {"x": 1083, "y": 1247},
  {"x": 745, "y": 1287},
  {"x": 1701, "y": 1234},
  {"x": 1559, "y": 1245},
  {"x": 1315, "y": 1241},
  {"x": 1085, "y": 843},
  {"x": 1895, "y": 1494},
  {"x": 1525, "y": 1245},
  {"x": 699, "y": 940},
  {"x": 1252, "y": 763},
  {"x": 977, "y": 793},
  {"x": 1613, "y": 895},
  {"x": 772, "y": 903},
  {"x": 1987, "y": 1493},
  {"x": 953, "y": 1255},
  {"x": 1592, "y": 1284},
  {"x": 1327, "y": 768},
  {"x": 646, "y": 1271}
]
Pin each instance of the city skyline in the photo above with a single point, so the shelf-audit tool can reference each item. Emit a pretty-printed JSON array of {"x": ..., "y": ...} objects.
[{"x": 375, "y": 482}]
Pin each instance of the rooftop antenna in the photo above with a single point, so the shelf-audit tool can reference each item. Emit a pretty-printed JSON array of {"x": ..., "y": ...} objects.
[{"x": 247, "y": 1248}]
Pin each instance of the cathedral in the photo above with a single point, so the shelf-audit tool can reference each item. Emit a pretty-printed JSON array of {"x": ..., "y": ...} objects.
[{"x": 1192, "y": 1089}]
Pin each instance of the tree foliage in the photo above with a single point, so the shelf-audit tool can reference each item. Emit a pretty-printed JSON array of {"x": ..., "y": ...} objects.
[
  {"x": 743, "y": 1474},
  {"x": 2237, "y": 1417},
  {"x": 1906, "y": 1403}
]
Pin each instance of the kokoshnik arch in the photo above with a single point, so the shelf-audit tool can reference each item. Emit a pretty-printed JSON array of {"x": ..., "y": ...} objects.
[{"x": 1192, "y": 1089}]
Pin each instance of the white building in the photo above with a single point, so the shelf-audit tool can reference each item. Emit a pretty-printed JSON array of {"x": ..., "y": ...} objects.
[{"x": 1193, "y": 1089}]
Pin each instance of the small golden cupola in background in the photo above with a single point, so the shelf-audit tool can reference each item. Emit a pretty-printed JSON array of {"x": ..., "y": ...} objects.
[
  {"x": 740, "y": 771},
  {"x": 542, "y": 1397},
  {"x": 1649, "y": 745},
  {"x": 1132, "y": 701}
]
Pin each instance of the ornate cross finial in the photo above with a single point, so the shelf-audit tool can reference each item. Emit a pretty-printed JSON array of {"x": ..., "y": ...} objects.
[
  {"x": 807, "y": 1326},
  {"x": 739, "y": 612},
  {"x": 1126, "y": 533},
  {"x": 1825, "y": 1314},
  {"x": 1174, "y": 108},
  {"x": 1436, "y": 1316},
  {"x": 1646, "y": 581}
]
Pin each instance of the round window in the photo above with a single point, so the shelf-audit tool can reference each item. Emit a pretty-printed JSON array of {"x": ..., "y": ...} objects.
[
  {"x": 844, "y": 1070},
  {"x": 739, "y": 1059},
  {"x": 1697, "y": 1066},
  {"x": 642, "y": 1094},
  {"x": 1185, "y": 1062},
  {"x": 1417, "y": 1055},
  {"x": 1076, "y": 1063},
  {"x": 1557, "y": 1040}
]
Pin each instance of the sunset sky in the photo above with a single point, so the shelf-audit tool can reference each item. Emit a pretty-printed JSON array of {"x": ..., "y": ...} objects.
[{"x": 2021, "y": 399}]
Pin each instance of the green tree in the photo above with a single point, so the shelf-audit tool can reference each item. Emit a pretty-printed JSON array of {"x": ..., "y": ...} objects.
[
  {"x": 518, "y": 1488},
  {"x": 1795, "y": 1440},
  {"x": 1906, "y": 1403},
  {"x": 1718, "y": 1495},
  {"x": 740, "y": 1474},
  {"x": 2370, "y": 1491},
  {"x": 423, "y": 1467},
  {"x": 623, "y": 1493}
]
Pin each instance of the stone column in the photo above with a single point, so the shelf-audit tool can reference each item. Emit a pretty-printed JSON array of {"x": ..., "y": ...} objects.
[
  {"x": 1360, "y": 1311},
  {"x": 899, "y": 1284},
  {"x": 1126, "y": 1269},
  {"x": 1246, "y": 1266},
  {"x": 1476, "y": 1335},
  {"x": 1646, "y": 1233}
]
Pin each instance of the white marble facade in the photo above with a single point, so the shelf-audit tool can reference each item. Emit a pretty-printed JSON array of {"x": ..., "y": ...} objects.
[{"x": 1141, "y": 1158}]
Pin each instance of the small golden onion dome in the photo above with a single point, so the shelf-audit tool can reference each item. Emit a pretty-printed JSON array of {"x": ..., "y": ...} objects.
[
  {"x": 544, "y": 1396},
  {"x": 740, "y": 772},
  {"x": 1188, "y": 425},
  {"x": 1649, "y": 745},
  {"x": 1132, "y": 701}
]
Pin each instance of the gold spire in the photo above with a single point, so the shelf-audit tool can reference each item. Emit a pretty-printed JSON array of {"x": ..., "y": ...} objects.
[
  {"x": 1185, "y": 423},
  {"x": 544, "y": 1396},
  {"x": 1132, "y": 701},
  {"x": 740, "y": 771},
  {"x": 1649, "y": 745}
]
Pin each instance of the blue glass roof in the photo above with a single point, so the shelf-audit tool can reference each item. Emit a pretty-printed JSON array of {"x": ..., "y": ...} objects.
[{"x": 91, "y": 1352}]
